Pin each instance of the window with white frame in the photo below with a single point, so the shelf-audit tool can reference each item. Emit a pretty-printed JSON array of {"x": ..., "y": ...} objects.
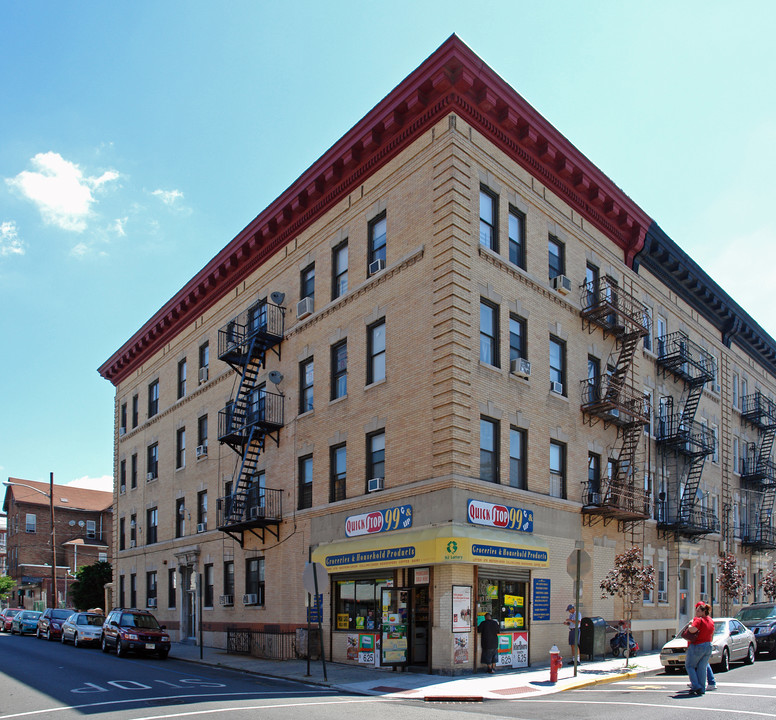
[
  {"x": 376, "y": 346},
  {"x": 744, "y": 392},
  {"x": 557, "y": 365},
  {"x": 715, "y": 439},
  {"x": 735, "y": 390},
  {"x": 31, "y": 523},
  {"x": 662, "y": 582}
]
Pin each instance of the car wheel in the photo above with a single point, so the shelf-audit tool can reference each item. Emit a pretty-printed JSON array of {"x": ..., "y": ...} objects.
[
  {"x": 616, "y": 652},
  {"x": 37, "y": 633},
  {"x": 62, "y": 638},
  {"x": 75, "y": 640},
  {"x": 49, "y": 636},
  {"x": 104, "y": 645},
  {"x": 724, "y": 664},
  {"x": 749, "y": 659},
  {"x": 121, "y": 651}
]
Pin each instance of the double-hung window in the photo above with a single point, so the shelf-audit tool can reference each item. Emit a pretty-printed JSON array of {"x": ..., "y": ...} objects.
[
  {"x": 517, "y": 335},
  {"x": 378, "y": 237},
  {"x": 517, "y": 458},
  {"x": 375, "y": 455},
  {"x": 229, "y": 578},
  {"x": 182, "y": 378},
  {"x": 31, "y": 522},
  {"x": 307, "y": 282},
  {"x": 202, "y": 431},
  {"x": 557, "y": 257},
  {"x": 208, "y": 581},
  {"x": 180, "y": 448},
  {"x": 517, "y": 237},
  {"x": 254, "y": 578},
  {"x": 339, "y": 370},
  {"x": 133, "y": 471},
  {"x": 204, "y": 361},
  {"x": 593, "y": 496},
  {"x": 306, "y": 378},
  {"x": 305, "y": 482},
  {"x": 152, "y": 523},
  {"x": 338, "y": 470},
  {"x": 135, "y": 410},
  {"x": 152, "y": 462},
  {"x": 557, "y": 366},
  {"x": 153, "y": 398},
  {"x": 339, "y": 270},
  {"x": 202, "y": 508},
  {"x": 557, "y": 469},
  {"x": 489, "y": 432},
  {"x": 488, "y": 219},
  {"x": 172, "y": 586},
  {"x": 489, "y": 333},
  {"x": 180, "y": 517},
  {"x": 375, "y": 369},
  {"x": 151, "y": 589}
]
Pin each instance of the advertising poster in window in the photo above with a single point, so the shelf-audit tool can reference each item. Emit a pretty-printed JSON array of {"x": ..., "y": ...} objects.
[
  {"x": 514, "y": 611},
  {"x": 352, "y": 647},
  {"x": 460, "y": 648},
  {"x": 519, "y": 649},
  {"x": 462, "y": 608}
]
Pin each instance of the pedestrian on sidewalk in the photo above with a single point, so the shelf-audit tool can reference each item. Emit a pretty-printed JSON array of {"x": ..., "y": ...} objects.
[
  {"x": 488, "y": 629},
  {"x": 573, "y": 622},
  {"x": 700, "y": 632}
]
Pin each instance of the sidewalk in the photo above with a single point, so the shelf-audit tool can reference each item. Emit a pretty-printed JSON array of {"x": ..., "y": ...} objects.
[{"x": 502, "y": 685}]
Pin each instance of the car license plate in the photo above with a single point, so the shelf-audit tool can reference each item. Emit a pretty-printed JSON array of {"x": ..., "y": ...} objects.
[
  {"x": 150, "y": 646},
  {"x": 680, "y": 658}
]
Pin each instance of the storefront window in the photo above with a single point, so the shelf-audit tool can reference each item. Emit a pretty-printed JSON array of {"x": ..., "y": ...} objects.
[
  {"x": 505, "y": 600},
  {"x": 358, "y": 603}
]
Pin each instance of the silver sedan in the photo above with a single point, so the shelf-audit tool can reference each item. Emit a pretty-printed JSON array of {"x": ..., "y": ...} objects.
[
  {"x": 732, "y": 641},
  {"x": 82, "y": 628}
]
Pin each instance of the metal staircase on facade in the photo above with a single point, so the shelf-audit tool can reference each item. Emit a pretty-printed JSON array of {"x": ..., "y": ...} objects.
[
  {"x": 249, "y": 418},
  {"x": 611, "y": 398}
]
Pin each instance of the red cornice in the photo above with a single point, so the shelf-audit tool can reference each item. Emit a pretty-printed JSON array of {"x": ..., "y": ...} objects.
[{"x": 453, "y": 79}]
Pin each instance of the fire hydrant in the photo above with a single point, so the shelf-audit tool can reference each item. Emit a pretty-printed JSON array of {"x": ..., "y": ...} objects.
[{"x": 556, "y": 663}]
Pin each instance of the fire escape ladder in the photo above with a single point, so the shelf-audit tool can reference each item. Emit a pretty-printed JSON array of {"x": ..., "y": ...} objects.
[{"x": 250, "y": 458}]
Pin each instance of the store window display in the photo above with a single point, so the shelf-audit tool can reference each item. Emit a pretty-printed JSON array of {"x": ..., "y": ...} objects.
[{"x": 505, "y": 600}]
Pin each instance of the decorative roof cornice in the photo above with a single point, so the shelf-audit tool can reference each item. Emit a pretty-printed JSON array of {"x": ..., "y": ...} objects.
[{"x": 452, "y": 80}]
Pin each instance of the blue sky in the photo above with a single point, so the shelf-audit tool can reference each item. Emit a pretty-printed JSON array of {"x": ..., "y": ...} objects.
[{"x": 137, "y": 138}]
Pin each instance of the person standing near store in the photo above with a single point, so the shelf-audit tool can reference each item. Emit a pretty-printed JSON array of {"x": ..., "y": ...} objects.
[
  {"x": 700, "y": 632},
  {"x": 573, "y": 622},
  {"x": 488, "y": 629}
]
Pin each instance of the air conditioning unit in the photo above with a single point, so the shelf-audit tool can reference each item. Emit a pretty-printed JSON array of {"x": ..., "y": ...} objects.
[
  {"x": 375, "y": 484},
  {"x": 122, "y": 489},
  {"x": 151, "y": 602},
  {"x": 226, "y": 600},
  {"x": 376, "y": 267},
  {"x": 562, "y": 284},
  {"x": 132, "y": 543},
  {"x": 201, "y": 451},
  {"x": 304, "y": 307},
  {"x": 256, "y": 511},
  {"x": 662, "y": 595},
  {"x": 520, "y": 367},
  {"x": 201, "y": 527},
  {"x": 122, "y": 431},
  {"x": 151, "y": 476},
  {"x": 250, "y": 599},
  {"x": 556, "y": 387}
]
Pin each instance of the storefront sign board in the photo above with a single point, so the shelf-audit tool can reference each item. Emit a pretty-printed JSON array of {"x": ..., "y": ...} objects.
[
  {"x": 541, "y": 599},
  {"x": 480, "y": 512},
  {"x": 379, "y": 521}
]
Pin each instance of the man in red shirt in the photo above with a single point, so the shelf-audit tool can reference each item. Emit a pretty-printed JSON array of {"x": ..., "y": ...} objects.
[{"x": 701, "y": 631}]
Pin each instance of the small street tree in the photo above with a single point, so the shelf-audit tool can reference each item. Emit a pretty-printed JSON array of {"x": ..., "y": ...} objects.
[
  {"x": 629, "y": 580},
  {"x": 89, "y": 589},
  {"x": 769, "y": 584},
  {"x": 6, "y": 586},
  {"x": 731, "y": 582}
]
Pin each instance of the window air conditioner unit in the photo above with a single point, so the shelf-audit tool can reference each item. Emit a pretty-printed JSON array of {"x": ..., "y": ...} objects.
[
  {"x": 151, "y": 603},
  {"x": 250, "y": 599},
  {"x": 376, "y": 267},
  {"x": 304, "y": 307},
  {"x": 122, "y": 431},
  {"x": 203, "y": 373},
  {"x": 122, "y": 489},
  {"x": 151, "y": 476},
  {"x": 662, "y": 595},
  {"x": 376, "y": 484},
  {"x": 562, "y": 284},
  {"x": 132, "y": 543},
  {"x": 201, "y": 527},
  {"x": 226, "y": 600},
  {"x": 201, "y": 451},
  {"x": 520, "y": 367},
  {"x": 256, "y": 511},
  {"x": 557, "y": 387}
]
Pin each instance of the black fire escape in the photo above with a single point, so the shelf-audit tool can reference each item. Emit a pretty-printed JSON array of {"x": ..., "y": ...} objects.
[
  {"x": 249, "y": 418},
  {"x": 683, "y": 442},
  {"x": 758, "y": 472},
  {"x": 611, "y": 398}
]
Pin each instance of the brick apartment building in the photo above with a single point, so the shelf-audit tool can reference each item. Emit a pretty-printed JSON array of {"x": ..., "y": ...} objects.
[
  {"x": 3, "y": 545},
  {"x": 449, "y": 355},
  {"x": 83, "y": 530}
]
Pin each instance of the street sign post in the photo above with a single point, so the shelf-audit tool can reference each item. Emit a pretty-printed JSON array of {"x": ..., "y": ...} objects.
[
  {"x": 577, "y": 564},
  {"x": 313, "y": 577}
]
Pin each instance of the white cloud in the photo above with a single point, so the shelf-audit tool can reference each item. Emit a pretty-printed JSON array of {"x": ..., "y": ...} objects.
[
  {"x": 10, "y": 244},
  {"x": 168, "y": 197},
  {"x": 63, "y": 194},
  {"x": 119, "y": 225},
  {"x": 97, "y": 483}
]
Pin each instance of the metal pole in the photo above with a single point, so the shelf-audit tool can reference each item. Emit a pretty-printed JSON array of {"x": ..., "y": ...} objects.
[
  {"x": 577, "y": 614},
  {"x": 309, "y": 558},
  {"x": 53, "y": 601},
  {"x": 199, "y": 593},
  {"x": 320, "y": 622}
]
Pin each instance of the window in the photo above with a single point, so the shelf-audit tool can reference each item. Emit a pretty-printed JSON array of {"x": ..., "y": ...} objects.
[
  {"x": 102, "y": 557},
  {"x": 121, "y": 591},
  {"x": 152, "y": 524},
  {"x": 517, "y": 459},
  {"x": 132, "y": 530},
  {"x": 152, "y": 462},
  {"x": 661, "y": 330},
  {"x": 180, "y": 448},
  {"x": 182, "y": 378},
  {"x": 361, "y": 600},
  {"x": 557, "y": 469},
  {"x": 133, "y": 590},
  {"x": 735, "y": 390},
  {"x": 648, "y": 321},
  {"x": 229, "y": 577},
  {"x": 91, "y": 529},
  {"x": 123, "y": 419},
  {"x": 307, "y": 282},
  {"x": 489, "y": 450},
  {"x": 151, "y": 589},
  {"x": 202, "y": 431},
  {"x": 31, "y": 523},
  {"x": 715, "y": 439},
  {"x": 736, "y": 461},
  {"x": 254, "y": 578},
  {"x": 557, "y": 366},
  {"x": 488, "y": 219},
  {"x": 172, "y": 585},
  {"x": 135, "y": 410},
  {"x": 133, "y": 471},
  {"x": 339, "y": 270},
  {"x": 306, "y": 377},
  {"x": 375, "y": 455},
  {"x": 591, "y": 286},
  {"x": 593, "y": 495},
  {"x": 744, "y": 393},
  {"x": 122, "y": 531},
  {"x": 489, "y": 333},
  {"x": 305, "y": 482},
  {"x": 557, "y": 260},
  {"x": 662, "y": 588},
  {"x": 207, "y": 578},
  {"x": 180, "y": 517},
  {"x": 202, "y": 508},
  {"x": 339, "y": 370},
  {"x": 375, "y": 369},
  {"x": 153, "y": 398},
  {"x": 517, "y": 336},
  {"x": 377, "y": 240},
  {"x": 257, "y": 493},
  {"x": 204, "y": 361},
  {"x": 516, "y": 237},
  {"x": 338, "y": 467},
  {"x": 122, "y": 475}
]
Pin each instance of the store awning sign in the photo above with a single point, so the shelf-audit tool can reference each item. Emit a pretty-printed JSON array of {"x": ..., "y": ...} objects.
[
  {"x": 395, "y": 518},
  {"x": 500, "y": 516}
]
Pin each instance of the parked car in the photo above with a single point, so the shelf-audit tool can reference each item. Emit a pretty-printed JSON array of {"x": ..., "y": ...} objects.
[
  {"x": 760, "y": 618},
  {"x": 731, "y": 641},
  {"x": 6, "y": 618},
  {"x": 25, "y": 621},
  {"x": 50, "y": 623},
  {"x": 82, "y": 628},
  {"x": 134, "y": 630}
]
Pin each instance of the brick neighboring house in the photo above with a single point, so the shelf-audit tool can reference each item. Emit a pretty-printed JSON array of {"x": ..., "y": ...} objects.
[
  {"x": 3, "y": 545},
  {"x": 83, "y": 530}
]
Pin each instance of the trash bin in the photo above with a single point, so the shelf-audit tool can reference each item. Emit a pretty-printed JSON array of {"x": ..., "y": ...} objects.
[{"x": 592, "y": 637}]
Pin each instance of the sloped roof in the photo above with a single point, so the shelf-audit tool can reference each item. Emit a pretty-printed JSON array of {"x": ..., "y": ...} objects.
[{"x": 65, "y": 496}]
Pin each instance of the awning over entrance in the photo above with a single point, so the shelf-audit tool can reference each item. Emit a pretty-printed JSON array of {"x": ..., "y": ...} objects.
[{"x": 428, "y": 546}]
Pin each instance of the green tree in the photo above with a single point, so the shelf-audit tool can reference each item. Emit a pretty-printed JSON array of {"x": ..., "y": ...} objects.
[
  {"x": 89, "y": 588},
  {"x": 6, "y": 585}
]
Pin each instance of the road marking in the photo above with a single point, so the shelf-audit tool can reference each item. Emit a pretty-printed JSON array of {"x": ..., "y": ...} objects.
[
  {"x": 686, "y": 708},
  {"x": 723, "y": 683}
]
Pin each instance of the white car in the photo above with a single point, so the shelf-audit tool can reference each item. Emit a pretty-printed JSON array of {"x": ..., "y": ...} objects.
[
  {"x": 732, "y": 641},
  {"x": 82, "y": 628}
]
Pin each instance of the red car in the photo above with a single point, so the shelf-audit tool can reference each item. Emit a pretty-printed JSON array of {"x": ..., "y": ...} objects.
[
  {"x": 50, "y": 623},
  {"x": 6, "y": 618}
]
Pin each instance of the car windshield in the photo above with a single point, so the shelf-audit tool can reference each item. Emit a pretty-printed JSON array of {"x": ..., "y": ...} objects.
[
  {"x": 752, "y": 614},
  {"x": 61, "y": 614},
  {"x": 720, "y": 626},
  {"x": 30, "y": 615},
  {"x": 141, "y": 621},
  {"x": 90, "y": 620},
  {"x": 11, "y": 612}
]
